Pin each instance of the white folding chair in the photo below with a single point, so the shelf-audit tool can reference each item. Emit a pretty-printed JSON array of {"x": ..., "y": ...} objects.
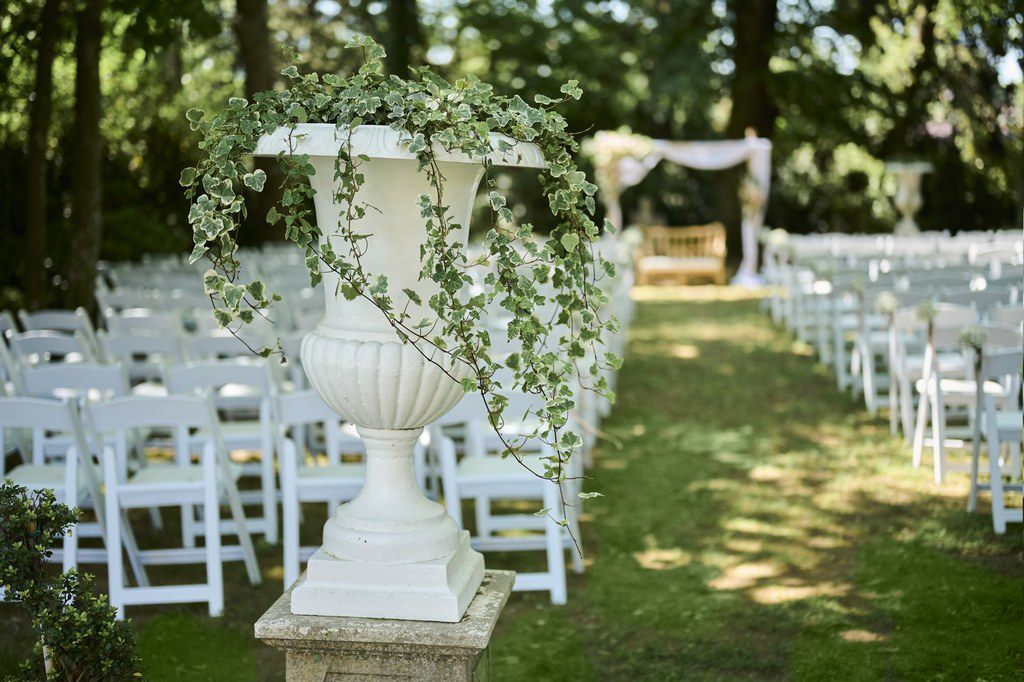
[
  {"x": 999, "y": 423},
  {"x": 493, "y": 477},
  {"x": 182, "y": 482},
  {"x": 938, "y": 393},
  {"x": 66, "y": 321},
  {"x": 240, "y": 391},
  {"x": 333, "y": 482},
  {"x": 69, "y": 486}
]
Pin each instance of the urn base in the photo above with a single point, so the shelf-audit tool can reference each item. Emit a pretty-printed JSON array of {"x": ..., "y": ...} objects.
[{"x": 437, "y": 590}]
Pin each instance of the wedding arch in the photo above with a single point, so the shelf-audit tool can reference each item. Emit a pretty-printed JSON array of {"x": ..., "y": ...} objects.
[{"x": 622, "y": 160}]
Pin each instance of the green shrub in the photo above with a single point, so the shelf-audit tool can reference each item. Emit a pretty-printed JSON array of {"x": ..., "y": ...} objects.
[{"x": 79, "y": 638}]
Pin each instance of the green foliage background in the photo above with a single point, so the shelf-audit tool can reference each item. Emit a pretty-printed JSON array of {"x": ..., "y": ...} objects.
[{"x": 853, "y": 83}]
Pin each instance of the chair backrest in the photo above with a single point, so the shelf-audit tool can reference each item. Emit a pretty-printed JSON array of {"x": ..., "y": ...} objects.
[
  {"x": 1001, "y": 363},
  {"x": 251, "y": 379},
  {"x": 949, "y": 321},
  {"x": 39, "y": 416},
  {"x": 145, "y": 320},
  {"x": 42, "y": 346},
  {"x": 143, "y": 354},
  {"x": 57, "y": 320},
  {"x": 79, "y": 380},
  {"x": 221, "y": 346},
  {"x": 1010, "y": 314},
  {"x": 113, "y": 422},
  {"x": 306, "y": 408},
  {"x": 119, "y": 299}
]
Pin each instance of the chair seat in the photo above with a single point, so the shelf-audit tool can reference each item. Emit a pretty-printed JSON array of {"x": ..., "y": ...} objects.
[
  {"x": 949, "y": 363},
  {"x": 163, "y": 476},
  {"x": 37, "y": 476},
  {"x": 961, "y": 388},
  {"x": 492, "y": 468}
]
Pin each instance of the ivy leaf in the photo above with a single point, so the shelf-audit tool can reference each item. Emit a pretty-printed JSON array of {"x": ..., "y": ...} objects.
[
  {"x": 255, "y": 180},
  {"x": 587, "y": 496},
  {"x": 572, "y": 88},
  {"x": 188, "y": 176},
  {"x": 291, "y": 72},
  {"x": 413, "y": 296},
  {"x": 570, "y": 241},
  {"x": 197, "y": 253},
  {"x": 195, "y": 115},
  {"x": 468, "y": 384}
]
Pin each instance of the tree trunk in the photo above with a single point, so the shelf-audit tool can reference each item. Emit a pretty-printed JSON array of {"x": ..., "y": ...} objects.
[
  {"x": 35, "y": 170},
  {"x": 752, "y": 105},
  {"x": 253, "y": 34},
  {"x": 87, "y": 157},
  {"x": 403, "y": 39}
]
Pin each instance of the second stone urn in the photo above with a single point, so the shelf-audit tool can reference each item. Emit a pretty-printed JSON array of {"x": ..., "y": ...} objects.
[{"x": 390, "y": 552}]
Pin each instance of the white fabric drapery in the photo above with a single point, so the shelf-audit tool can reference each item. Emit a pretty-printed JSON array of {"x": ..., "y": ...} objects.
[{"x": 756, "y": 152}]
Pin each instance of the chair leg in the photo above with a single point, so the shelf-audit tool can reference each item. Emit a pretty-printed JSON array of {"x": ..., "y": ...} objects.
[
  {"x": 907, "y": 411},
  {"x": 211, "y": 520},
  {"x": 939, "y": 434},
  {"x": 996, "y": 481},
  {"x": 69, "y": 559},
  {"x": 115, "y": 566},
  {"x": 482, "y": 506},
  {"x": 290, "y": 512},
  {"x": 553, "y": 545},
  {"x": 238, "y": 516},
  {"x": 972, "y": 496},
  {"x": 268, "y": 484},
  {"x": 919, "y": 427}
]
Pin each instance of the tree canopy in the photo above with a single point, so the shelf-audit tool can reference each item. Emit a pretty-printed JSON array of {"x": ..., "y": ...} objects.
[{"x": 839, "y": 88}]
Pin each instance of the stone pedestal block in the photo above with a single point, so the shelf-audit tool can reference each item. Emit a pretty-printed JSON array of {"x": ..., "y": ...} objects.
[{"x": 335, "y": 648}]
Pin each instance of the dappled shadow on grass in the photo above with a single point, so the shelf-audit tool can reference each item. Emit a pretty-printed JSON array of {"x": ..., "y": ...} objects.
[{"x": 749, "y": 517}]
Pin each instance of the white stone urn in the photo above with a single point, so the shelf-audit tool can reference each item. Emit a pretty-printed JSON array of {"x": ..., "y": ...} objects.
[
  {"x": 390, "y": 552},
  {"x": 908, "y": 199}
]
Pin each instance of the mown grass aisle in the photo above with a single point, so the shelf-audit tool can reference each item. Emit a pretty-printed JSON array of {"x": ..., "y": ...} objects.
[{"x": 757, "y": 525}]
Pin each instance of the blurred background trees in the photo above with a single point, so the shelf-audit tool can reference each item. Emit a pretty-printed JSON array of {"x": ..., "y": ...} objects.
[{"x": 93, "y": 95}]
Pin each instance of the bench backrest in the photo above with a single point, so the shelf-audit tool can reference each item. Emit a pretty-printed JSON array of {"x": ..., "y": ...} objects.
[{"x": 699, "y": 241}]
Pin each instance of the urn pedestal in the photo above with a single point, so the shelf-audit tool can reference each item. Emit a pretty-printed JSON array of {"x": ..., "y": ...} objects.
[{"x": 390, "y": 552}]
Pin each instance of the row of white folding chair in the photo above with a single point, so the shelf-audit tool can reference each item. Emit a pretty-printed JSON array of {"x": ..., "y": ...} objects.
[
  {"x": 873, "y": 345},
  {"x": 111, "y": 426},
  {"x": 937, "y": 391},
  {"x": 242, "y": 390}
]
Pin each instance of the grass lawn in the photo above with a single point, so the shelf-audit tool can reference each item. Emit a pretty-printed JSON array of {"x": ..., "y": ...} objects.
[{"x": 755, "y": 525}]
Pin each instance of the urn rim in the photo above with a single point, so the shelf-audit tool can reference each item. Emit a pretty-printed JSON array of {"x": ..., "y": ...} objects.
[{"x": 384, "y": 142}]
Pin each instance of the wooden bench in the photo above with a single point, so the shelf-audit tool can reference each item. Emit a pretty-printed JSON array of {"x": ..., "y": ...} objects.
[{"x": 681, "y": 253}]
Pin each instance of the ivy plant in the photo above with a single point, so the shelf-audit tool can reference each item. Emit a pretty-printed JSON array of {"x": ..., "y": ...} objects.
[
  {"x": 79, "y": 638},
  {"x": 524, "y": 273}
]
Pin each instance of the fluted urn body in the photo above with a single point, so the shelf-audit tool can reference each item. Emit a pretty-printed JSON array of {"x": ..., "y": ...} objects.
[{"x": 390, "y": 552}]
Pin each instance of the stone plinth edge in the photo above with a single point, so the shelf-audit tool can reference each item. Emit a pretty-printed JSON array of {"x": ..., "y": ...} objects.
[{"x": 363, "y": 648}]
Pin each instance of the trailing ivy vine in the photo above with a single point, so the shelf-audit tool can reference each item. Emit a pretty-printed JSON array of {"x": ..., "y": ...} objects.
[{"x": 524, "y": 273}]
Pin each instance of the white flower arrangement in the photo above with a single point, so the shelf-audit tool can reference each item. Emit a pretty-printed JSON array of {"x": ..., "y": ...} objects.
[
  {"x": 608, "y": 146},
  {"x": 974, "y": 337},
  {"x": 886, "y": 303}
]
